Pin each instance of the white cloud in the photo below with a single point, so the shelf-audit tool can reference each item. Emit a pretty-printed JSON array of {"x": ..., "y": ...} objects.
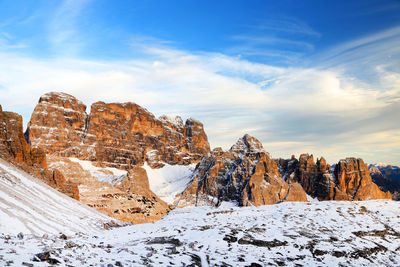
[{"x": 326, "y": 112}]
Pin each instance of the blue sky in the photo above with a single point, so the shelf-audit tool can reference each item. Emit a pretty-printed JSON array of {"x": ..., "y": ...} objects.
[{"x": 302, "y": 76}]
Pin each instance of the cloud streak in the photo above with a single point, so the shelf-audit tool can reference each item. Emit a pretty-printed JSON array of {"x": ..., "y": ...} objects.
[{"x": 321, "y": 110}]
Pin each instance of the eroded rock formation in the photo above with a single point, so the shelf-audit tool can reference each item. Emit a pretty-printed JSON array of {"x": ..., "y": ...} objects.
[
  {"x": 350, "y": 179},
  {"x": 244, "y": 174},
  {"x": 15, "y": 149},
  {"x": 124, "y": 195},
  {"x": 116, "y": 134}
]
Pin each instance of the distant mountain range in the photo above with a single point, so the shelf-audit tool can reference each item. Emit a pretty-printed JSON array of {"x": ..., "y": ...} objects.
[{"x": 387, "y": 177}]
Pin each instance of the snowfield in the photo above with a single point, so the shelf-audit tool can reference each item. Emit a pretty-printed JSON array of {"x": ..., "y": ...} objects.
[
  {"x": 29, "y": 206},
  {"x": 169, "y": 181},
  {"x": 329, "y": 233}
]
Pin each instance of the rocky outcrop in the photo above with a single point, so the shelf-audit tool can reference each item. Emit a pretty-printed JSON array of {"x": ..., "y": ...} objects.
[
  {"x": 124, "y": 195},
  {"x": 387, "y": 177},
  {"x": 123, "y": 136},
  {"x": 245, "y": 174},
  {"x": 116, "y": 134},
  {"x": 354, "y": 181},
  {"x": 15, "y": 149},
  {"x": 350, "y": 179}
]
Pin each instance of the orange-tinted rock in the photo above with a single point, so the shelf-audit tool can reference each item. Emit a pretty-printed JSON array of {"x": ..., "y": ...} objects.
[
  {"x": 349, "y": 181},
  {"x": 116, "y": 134},
  {"x": 354, "y": 181},
  {"x": 245, "y": 174},
  {"x": 125, "y": 197},
  {"x": 57, "y": 124},
  {"x": 15, "y": 149}
]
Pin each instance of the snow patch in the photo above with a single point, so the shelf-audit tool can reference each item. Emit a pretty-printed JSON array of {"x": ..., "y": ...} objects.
[
  {"x": 103, "y": 174},
  {"x": 169, "y": 180}
]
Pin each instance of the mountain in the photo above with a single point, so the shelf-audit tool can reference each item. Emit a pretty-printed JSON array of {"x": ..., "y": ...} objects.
[
  {"x": 349, "y": 180},
  {"x": 104, "y": 152},
  {"x": 29, "y": 206},
  {"x": 387, "y": 177},
  {"x": 320, "y": 233},
  {"x": 15, "y": 149},
  {"x": 116, "y": 135},
  {"x": 245, "y": 174}
]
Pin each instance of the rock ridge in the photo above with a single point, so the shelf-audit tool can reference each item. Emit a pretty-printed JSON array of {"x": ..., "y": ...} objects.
[
  {"x": 15, "y": 149},
  {"x": 244, "y": 174},
  {"x": 114, "y": 134},
  {"x": 348, "y": 180}
]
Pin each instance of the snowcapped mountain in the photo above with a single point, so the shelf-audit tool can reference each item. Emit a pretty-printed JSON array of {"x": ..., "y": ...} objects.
[
  {"x": 326, "y": 233},
  {"x": 29, "y": 206}
]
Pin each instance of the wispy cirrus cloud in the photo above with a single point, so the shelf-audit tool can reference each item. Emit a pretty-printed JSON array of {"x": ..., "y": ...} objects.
[
  {"x": 63, "y": 33},
  {"x": 328, "y": 109},
  {"x": 283, "y": 40}
]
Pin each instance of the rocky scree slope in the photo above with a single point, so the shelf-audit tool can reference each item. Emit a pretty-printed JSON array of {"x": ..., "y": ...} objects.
[
  {"x": 349, "y": 180},
  {"x": 15, "y": 149},
  {"x": 112, "y": 138},
  {"x": 244, "y": 174}
]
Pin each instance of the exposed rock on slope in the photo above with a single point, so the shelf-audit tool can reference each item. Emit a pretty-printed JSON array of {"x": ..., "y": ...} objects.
[
  {"x": 244, "y": 174},
  {"x": 115, "y": 134},
  {"x": 350, "y": 179},
  {"x": 124, "y": 195},
  {"x": 387, "y": 177},
  {"x": 29, "y": 206},
  {"x": 14, "y": 148}
]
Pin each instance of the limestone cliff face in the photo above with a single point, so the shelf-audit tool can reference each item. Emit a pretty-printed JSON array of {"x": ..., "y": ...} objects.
[
  {"x": 116, "y": 134},
  {"x": 123, "y": 136},
  {"x": 15, "y": 149},
  {"x": 350, "y": 179},
  {"x": 245, "y": 174},
  {"x": 354, "y": 180}
]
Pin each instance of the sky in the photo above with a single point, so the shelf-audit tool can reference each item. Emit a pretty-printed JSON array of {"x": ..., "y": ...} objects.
[{"x": 319, "y": 77}]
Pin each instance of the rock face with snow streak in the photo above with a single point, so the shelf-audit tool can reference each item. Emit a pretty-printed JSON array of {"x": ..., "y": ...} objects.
[
  {"x": 15, "y": 149},
  {"x": 115, "y": 134},
  {"x": 244, "y": 174},
  {"x": 350, "y": 179},
  {"x": 124, "y": 195}
]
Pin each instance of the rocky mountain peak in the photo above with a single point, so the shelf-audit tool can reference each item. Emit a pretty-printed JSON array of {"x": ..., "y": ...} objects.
[
  {"x": 245, "y": 174},
  {"x": 248, "y": 144},
  {"x": 350, "y": 179},
  {"x": 117, "y": 136},
  {"x": 63, "y": 100},
  {"x": 114, "y": 134}
]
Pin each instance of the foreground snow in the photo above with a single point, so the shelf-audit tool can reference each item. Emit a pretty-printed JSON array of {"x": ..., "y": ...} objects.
[
  {"x": 29, "y": 206},
  {"x": 287, "y": 234}
]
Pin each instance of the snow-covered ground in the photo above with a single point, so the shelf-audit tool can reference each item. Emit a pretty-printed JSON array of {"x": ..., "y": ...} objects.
[
  {"x": 331, "y": 233},
  {"x": 29, "y": 206},
  {"x": 169, "y": 180}
]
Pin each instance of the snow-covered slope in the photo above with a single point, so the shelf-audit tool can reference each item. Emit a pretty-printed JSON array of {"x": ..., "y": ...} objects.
[
  {"x": 328, "y": 233},
  {"x": 29, "y": 206},
  {"x": 169, "y": 180}
]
